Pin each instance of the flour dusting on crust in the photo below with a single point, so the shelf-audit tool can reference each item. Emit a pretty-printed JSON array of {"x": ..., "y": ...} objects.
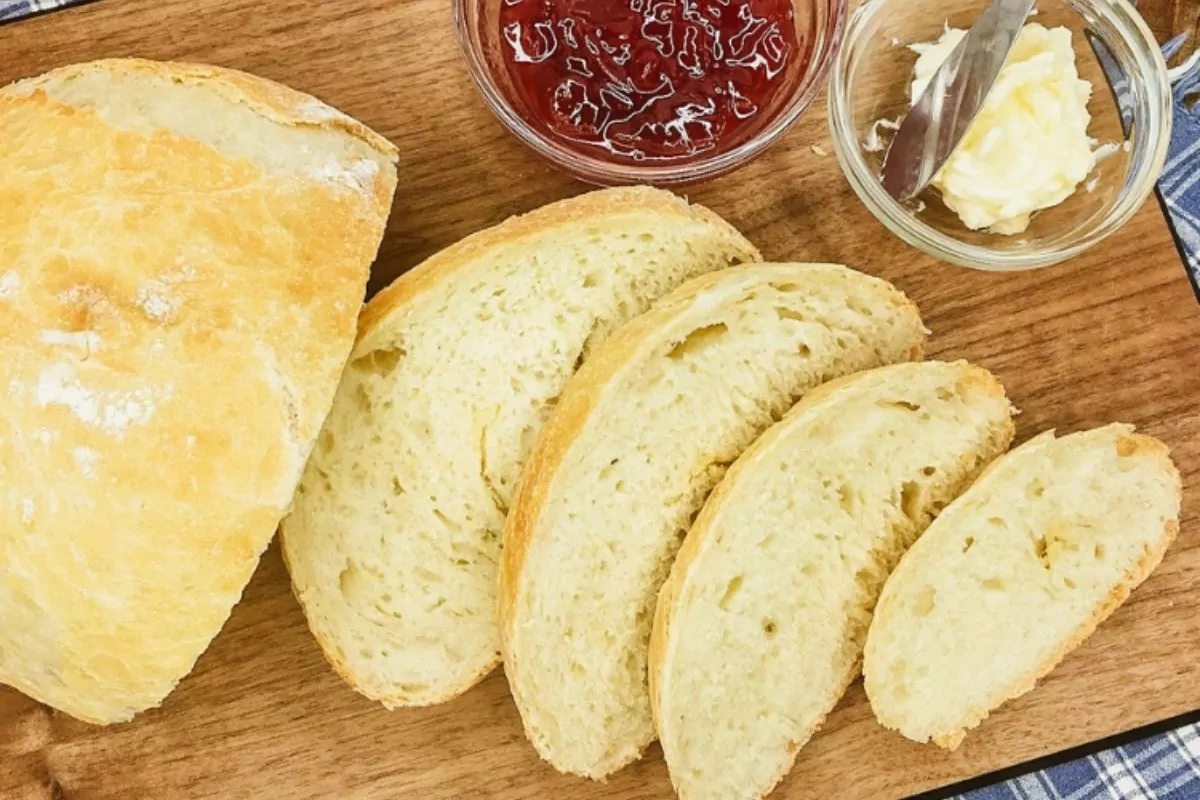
[
  {"x": 359, "y": 175},
  {"x": 113, "y": 412},
  {"x": 10, "y": 282}
]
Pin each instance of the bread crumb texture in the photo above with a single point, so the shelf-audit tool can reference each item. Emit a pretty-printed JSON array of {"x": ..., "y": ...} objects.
[
  {"x": 640, "y": 437},
  {"x": 1015, "y": 574},
  {"x": 762, "y": 623},
  {"x": 395, "y": 536}
]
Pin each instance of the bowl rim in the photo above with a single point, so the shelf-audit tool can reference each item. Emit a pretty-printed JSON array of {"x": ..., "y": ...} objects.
[
  {"x": 598, "y": 171},
  {"x": 1150, "y": 67}
]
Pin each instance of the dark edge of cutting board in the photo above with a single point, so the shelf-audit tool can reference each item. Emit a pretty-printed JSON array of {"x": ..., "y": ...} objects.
[{"x": 1060, "y": 758}]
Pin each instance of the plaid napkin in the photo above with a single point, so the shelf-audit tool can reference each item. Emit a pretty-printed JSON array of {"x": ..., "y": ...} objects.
[
  {"x": 13, "y": 9},
  {"x": 1179, "y": 186},
  {"x": 1163, "y": 767}
]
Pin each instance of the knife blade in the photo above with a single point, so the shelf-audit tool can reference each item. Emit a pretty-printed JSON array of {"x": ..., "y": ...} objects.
[{"x": 943, "y": 113}]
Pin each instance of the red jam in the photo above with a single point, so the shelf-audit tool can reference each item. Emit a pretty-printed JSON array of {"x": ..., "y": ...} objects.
[{"x": 662, "y": 81}]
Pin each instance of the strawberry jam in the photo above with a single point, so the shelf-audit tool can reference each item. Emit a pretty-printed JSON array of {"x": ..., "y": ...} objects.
[{"x": 651, "y": 81}]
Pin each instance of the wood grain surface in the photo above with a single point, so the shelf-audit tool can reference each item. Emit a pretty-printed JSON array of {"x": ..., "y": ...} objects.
[{"x": 1113, "y": 335}]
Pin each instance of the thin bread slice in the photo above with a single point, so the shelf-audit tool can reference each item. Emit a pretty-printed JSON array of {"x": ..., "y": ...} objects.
[
  {"x": 1015, "y": 574},
  {"x": 640, "y": 437},
  {"x": 761, "y": 625},
  {"x": 394, "y": 537}
]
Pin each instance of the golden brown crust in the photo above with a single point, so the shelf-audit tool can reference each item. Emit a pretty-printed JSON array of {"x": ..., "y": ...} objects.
[
  {"x": 275, "y": 101},
  {"x": 1128, "y": 444},
  {"x": 169, "y": 351}
]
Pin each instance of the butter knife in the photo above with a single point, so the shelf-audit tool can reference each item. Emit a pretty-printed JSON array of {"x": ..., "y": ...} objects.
[{"x": 943, "y": 113}]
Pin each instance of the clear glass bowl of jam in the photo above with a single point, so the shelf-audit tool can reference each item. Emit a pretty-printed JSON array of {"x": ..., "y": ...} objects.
[{"x": 665, "y": 92}]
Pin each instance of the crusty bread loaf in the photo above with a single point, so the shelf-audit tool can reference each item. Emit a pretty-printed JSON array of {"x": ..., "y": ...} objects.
[
  {"x": 183, "y": 254},
  {"x": 1015, "y": 574},
  {"x": 761, "y": 625},
  {"x": 641, "y": 435},
  {"x": 395, "y": 536}
]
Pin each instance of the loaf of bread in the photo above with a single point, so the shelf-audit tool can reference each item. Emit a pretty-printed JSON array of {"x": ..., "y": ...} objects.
[
  {"x": 761, "y": 625},
  {"x": 183, "y": 255},
  {"x": 394, "y": 541},
  {"x": 1015, "y": 574},
  {"x": 640, "y": 436}
]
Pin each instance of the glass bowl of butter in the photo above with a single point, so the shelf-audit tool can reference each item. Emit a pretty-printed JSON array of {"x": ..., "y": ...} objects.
[{"x": 1067, "y": 147}]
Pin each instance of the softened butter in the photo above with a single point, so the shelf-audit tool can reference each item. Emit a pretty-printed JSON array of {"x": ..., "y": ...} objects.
[{"x": 1029, "y": 147}]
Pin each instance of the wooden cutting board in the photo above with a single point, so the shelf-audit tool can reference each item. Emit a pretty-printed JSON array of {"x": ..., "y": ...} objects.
[{"x": 1113, "y": 335}]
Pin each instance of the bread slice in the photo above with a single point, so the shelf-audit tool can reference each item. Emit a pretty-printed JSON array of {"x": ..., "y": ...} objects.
[
  {"x": 760, "y": 628},
  {"x": 640, "y": 437},
  {"x": 1015, "y": 574},
  {"x": 394, "y": 538},
  {"x": 183, "y": 253}
]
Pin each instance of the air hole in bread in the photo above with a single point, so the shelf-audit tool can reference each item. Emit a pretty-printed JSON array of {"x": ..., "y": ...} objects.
[
  {"x": 698, "y": 341},
  {"x": 731, "y": 590},
  {"x": 325, "y": 442},
  {"x": 1036, "y": 489},
  {"x": 929, "y": 472},
  {"x": 783, "y": 312},
  {"x": 1070, "y": 584},
  {"x": 607, "y": 471},
  {"x": 769, "y": 627},
  {"x": 925, "y": 602},
  {"x": 902, "y": 404},
  {"x": 910, "y": 500},
  {"x": 379, "y": 362},
  {"x": 397, "y": 489},
  {"x": 993, "y": 585},
  {"x": 347, "y": 578},
  {"x": 846, "y": 498},
  {"x": 1099, "y": 552},
  {"x": 363, "y": 399},
  {"x": 1040, "y": 549},
  {"x": 968, "y": 543}
]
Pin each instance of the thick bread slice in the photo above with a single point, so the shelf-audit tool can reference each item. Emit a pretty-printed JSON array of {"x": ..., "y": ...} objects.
[
  {"x": 1015, "y": 574},
  {"x": 394, "y": 540},
  {"x": 183, "y": 254},
  {"x": 640, "y": 437},
  {"x": 760, "y": 628}
]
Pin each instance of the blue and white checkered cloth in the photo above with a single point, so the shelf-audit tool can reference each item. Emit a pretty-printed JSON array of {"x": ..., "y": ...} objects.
[
  {"x": 1165, "y": 767},
  {"x": 12, "y": 9},
  {"x": 1179, "y": 185}
]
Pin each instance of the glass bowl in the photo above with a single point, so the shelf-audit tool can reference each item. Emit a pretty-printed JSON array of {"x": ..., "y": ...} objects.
[
  {"x": 870, "y": 81},
  {"x": 819, "y": 22}
]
